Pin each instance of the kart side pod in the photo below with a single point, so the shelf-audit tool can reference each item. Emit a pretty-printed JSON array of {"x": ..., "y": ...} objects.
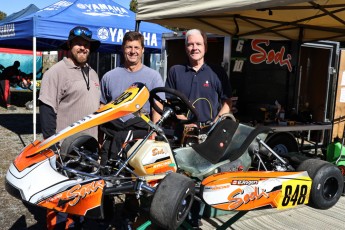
[{"x": 250, "y": 190}]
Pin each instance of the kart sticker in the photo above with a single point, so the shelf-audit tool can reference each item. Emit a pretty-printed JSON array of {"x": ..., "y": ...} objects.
[
  {"x": 129, "y": 94},
  {"x": 160, "y": 166},
  {"x": 295, "y": 192},
  {"x": 122, "y": 98},
  {"x": 250, "y": 190},
  {"x": 78, "y": 199}
]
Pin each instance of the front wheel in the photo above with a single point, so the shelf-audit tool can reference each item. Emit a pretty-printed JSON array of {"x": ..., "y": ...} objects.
[
  {"x": 327, "y": 183},
  {"x": 172, "y": 201}
]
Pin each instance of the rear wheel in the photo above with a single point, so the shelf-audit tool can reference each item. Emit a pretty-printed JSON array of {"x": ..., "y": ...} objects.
[
  {"x": 84, "y": 143},
  {"x": 327, "y": 183},
  {"x": 282, "y": 143},
  {"x": 172, "y": 201}
]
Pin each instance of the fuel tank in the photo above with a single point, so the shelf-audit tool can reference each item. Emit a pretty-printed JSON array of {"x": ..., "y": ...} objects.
[{"x": 153, "y": 157}]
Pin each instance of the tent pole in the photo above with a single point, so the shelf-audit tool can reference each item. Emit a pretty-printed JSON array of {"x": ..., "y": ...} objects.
[
  {"x": 97, "y": 62},
  {"x": 34, "y": 87},
  {"x": 137, "y": 25}
]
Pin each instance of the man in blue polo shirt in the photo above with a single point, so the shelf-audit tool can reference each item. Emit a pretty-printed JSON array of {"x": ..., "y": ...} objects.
[{"x": 207, "y": 87}]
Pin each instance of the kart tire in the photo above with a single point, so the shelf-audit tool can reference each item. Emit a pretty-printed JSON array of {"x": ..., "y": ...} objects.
[
  {"x": 79, "y": 140},
  {"x": 282, "y": 143},
  {"x": 327, "y": 183},
  {"x": 172, "y": 201}
]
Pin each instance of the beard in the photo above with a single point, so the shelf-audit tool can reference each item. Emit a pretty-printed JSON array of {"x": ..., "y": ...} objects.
[{"x": 80, "y": 58}]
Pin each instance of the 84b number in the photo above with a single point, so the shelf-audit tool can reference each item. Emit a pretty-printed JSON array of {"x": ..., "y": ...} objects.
[{"x": 295, "y": 196}]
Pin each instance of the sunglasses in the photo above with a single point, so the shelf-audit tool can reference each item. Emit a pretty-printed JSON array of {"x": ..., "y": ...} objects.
[{"x": 79, "y": 32}]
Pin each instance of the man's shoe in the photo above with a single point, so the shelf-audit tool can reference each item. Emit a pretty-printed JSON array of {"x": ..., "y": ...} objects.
[{"x": 11, "y": 107}]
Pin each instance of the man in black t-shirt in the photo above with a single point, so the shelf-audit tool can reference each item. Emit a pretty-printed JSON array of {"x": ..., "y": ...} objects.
[{"x": 9, "y": 75}]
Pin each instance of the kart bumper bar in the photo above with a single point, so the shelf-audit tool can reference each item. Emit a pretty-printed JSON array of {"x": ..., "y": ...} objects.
[
  {"x": 119, "y": 189},
  {"x": 129, "y": 188}
]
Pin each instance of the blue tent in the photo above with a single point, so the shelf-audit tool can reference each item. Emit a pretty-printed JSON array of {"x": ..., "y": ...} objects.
[
  {"x": 107, "y": 20},
  {"x": 24, "y": 12},
  {"x": 49, "y": 27}
]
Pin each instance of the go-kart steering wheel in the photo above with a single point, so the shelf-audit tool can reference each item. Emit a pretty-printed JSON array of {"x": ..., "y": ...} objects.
[{"x": 177, "y": 103}]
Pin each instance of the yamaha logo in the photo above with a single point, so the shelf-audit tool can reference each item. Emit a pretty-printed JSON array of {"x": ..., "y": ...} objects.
[
  {"x": 103, "y": 33},
  {"x": 58, "y": 5},
  {"x": 103, "y": 10},
  {"x": 116, "y": 35},
  {"x": 81, "y": 6}
]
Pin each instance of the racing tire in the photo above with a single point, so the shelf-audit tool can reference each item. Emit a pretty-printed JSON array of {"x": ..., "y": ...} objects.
[
  {"x": 282, "y": 143},
  {"x": 79, "y": 140},
  {"x": 172, "y": 201},
  {"x": 327, "y": 183}
]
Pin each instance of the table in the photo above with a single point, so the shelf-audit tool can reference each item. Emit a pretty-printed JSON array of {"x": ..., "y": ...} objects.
[{"x": 300, "y": 128}]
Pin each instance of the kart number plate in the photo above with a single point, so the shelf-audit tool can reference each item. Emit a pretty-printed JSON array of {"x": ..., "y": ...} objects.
[{"x": 295, "y": 192}]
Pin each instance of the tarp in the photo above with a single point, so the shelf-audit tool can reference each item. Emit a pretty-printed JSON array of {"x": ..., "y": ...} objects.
[
  {"x": 105, "y": 18},
  {"x": 269, "y": 19},
  {"x": 9, "y": 56}
]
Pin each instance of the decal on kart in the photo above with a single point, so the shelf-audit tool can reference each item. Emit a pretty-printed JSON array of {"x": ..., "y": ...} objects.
[
  {"x": 156, "y": 154},
  {"x": 251, "y": 190},
  {"x": 158, "y": 160},
  {"x": 161, "y": 166},
  {"x": 78, "y": 199},
  {"x": 122, "y": 98},
  {"x": 295, "y": 192}
]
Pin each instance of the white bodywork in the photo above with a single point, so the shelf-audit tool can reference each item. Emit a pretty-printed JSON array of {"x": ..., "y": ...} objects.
[{"x": 39, "y": 181}]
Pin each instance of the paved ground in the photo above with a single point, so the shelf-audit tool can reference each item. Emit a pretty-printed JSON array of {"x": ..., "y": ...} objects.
[{"x": 16, "y": 132}]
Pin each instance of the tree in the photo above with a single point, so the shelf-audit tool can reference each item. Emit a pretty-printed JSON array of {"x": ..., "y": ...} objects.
[
  {"x": 2, "y": 15},
  {"x": 133, "y": 6}
]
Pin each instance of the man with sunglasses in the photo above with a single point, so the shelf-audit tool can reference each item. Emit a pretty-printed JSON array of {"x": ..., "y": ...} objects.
[
  {"x": 69, "y": 91},
  {"x": 70, "y": 88}
]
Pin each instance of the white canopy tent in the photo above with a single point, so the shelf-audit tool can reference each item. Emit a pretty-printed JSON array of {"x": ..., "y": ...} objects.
[{"x": 270, "y": 19}]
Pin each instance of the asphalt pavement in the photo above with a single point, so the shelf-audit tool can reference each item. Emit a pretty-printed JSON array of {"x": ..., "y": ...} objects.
[{"x": 16, "y": 132}]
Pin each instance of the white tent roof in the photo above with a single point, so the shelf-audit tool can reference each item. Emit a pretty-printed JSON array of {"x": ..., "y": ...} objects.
[{"x": 271, "y": 19}]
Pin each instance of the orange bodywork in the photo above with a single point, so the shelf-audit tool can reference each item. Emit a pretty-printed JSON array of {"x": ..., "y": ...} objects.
[
  {"x": 128, "y": 102},
  {"x": 250, "y": 190},
  {"x": 78, "y": 199},
  {"x": 23, "y": 161}
]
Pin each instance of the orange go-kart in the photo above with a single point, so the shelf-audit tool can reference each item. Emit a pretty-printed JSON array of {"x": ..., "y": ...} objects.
[{"x": 231, "y": 168}]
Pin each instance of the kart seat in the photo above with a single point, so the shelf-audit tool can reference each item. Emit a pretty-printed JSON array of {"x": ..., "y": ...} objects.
[
  {"x": 213, "y": 148},
  {"x": 202, "y": 159},
  {"x": 236, "y": 150}
]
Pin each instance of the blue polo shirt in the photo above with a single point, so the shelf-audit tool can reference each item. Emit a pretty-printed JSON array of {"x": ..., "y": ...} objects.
[{"x": 205, "y": 88}]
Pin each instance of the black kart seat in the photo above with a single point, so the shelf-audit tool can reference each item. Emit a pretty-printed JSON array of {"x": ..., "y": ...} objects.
[
  {"x": 234, "y": 153},
  {"x": 206, "y": 158},
  {"x": 214, "y": 147}
]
